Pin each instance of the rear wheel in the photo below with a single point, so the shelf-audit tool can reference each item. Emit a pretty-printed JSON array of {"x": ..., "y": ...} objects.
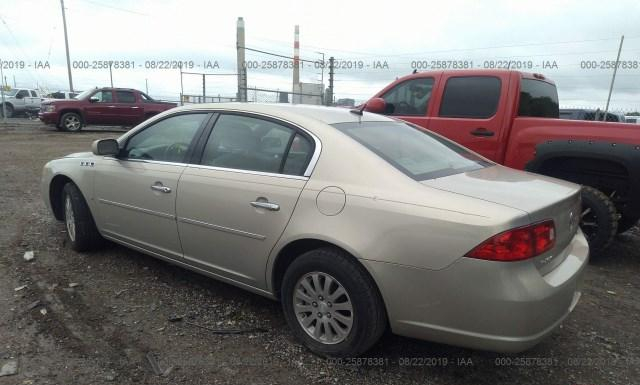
[
  {"x": 331, "y": 304},
  {"x": 71, "y": 122},
  {"x": 82, "y": 233},
  {"x": 599, "y": 220}
]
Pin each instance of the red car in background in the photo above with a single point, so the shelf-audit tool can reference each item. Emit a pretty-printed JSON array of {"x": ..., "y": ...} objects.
[
  {"x": 102, "y": 106},
  {"x": 512, "y": 118}
]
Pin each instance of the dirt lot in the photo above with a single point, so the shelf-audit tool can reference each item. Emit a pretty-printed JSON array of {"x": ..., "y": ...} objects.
[{"x": 105, "y": 329}]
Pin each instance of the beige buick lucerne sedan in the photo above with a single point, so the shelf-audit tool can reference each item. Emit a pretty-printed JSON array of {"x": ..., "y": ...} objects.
[{"x": 356, "y": 222}]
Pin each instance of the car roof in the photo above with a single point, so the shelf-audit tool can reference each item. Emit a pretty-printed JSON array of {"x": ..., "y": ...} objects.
[{"x": 293, "y": 112}]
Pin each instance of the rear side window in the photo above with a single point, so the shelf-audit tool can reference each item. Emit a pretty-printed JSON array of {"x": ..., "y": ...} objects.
[
  {"x": 253, "y": 144},
  {"x": 419, "y": 154},
  {"x": 125, "y": 97},
  {"x": 473, "y": 97},
  {"x": 538, "y": 99}
]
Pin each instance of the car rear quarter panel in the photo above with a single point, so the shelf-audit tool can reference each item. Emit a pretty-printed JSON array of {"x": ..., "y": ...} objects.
[{"x": 388, "y": 216}]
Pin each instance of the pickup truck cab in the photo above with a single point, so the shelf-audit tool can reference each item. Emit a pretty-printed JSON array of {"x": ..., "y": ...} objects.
[
  {"x": 512, "y": 118},
  {"x": 102, "y": 106},
  {"x": 20, "y": 100}
]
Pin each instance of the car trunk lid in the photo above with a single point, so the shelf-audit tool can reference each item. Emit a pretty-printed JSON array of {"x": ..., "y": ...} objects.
[{"x": 541, "y": 197}]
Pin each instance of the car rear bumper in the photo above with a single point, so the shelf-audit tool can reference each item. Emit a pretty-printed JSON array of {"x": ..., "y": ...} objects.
[
  {"x": 497, "y": 306},
  {"x": 48, "y": 117}
]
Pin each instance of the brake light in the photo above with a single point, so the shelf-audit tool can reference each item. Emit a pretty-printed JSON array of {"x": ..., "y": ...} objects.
[{"x": 517, "y": 244}]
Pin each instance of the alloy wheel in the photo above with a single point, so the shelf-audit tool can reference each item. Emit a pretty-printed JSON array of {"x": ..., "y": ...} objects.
[
  {"x": 323, "y": 308},
  {"x": 69, "y": 218}
]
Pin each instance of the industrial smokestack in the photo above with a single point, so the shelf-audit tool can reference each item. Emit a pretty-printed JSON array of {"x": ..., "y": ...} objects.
[
  {"x": 242, "y": 70},
  {"x": 296, "y": 58}
]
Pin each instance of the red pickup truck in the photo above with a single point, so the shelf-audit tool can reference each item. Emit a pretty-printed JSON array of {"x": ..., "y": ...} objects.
[
  {"x": 103, "y": 106},
  {"x": 512, "y": 118}
]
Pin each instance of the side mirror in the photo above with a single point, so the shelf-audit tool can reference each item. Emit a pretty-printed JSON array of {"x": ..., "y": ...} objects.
[
  {"x": 105, "y": 147},
  {"x": 93, "y": 99},
  {"x": 376, "y": 105}
]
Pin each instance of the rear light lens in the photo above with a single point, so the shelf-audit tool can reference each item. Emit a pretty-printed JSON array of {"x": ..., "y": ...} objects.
[{"x": 517, "y": 244}]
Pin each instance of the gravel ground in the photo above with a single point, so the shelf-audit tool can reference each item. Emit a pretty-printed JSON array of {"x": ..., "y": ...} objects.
[{"x": 106, "y": 317}]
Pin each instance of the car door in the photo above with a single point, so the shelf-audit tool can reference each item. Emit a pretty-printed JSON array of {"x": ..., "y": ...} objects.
[
  {"x": 100, "y": 108},
  {"x": 127, "y": 112},
  {"x": 471, "y": 112},
  {"x": 411, "y": 100},
  {"x": 136, "y": 191},
  {"x": 22, "y": 99},
  {"x": 234, "y": 204}
]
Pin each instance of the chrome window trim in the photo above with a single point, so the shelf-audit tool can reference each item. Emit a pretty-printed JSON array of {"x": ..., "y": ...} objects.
[
  {"x": 307, "y": 172},
  {"x": 250, "y": 172},
  {"x": 164, "y": 162}
]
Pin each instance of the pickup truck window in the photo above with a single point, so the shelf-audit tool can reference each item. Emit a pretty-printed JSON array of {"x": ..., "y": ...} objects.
[
  {"x": 538, "y": 99},
  {"x": 409, "y": 98},
  {"x": 33, "y": 93},
  {"x": 473, "y": 97},
  {"x": 22, "y": 94},
  {"x": 125, "y": 97},
  {"x": 419, "y": 154},
  {"x": 103, "y": 96},
  {"x": 145, "y": 98}
]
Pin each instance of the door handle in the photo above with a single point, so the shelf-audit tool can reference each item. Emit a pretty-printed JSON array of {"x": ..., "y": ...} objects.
[
  {"x": 266, "y": 205},
  {"x": 482, "y": 132},
  {"x": 159, "y": 187}
]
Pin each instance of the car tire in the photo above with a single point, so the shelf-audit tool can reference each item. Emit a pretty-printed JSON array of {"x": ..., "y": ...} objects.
[
  {"x": 599, "y": 220},
  {"x": 71, "y": 122},
  {"x": 82, "y": 233},
  {"x": 351, "y": 324},
  {"x": 626, "y": 223},
  {"x": 9, "y": 110}
]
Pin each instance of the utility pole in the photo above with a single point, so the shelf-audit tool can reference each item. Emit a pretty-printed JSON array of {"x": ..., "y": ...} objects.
[
  {"x": 329, "y": 100},
  {"x": 110, "y": 74},
  {"x": 242, "y": 69},
  {"x": 204, "y": 88},
  {"x": 146, "y": 85},
  {"x": 66, "y": 45},
  {"x": 181, "y": 87},
  {"x": 4, "y": 108},
  {"x": 613, "y": 79},
  {"x": 322, "y": 76}
]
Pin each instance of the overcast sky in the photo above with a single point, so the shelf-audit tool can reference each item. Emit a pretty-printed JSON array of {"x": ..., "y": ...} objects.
[{"x": 565, "y": 35}]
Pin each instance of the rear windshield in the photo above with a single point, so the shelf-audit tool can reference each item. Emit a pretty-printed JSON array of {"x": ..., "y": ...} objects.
[
  {"x": 538, "y": 99},
  {"x": 417, "y": 153}
]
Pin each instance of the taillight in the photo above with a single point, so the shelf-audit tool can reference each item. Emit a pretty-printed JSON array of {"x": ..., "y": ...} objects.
[{"x": 517, "y": 244}]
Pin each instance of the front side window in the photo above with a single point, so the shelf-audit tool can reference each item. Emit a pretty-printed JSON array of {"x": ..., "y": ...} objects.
[
  {"x": 419, "y": 154},
  {"x": 103, "y": 96},
  {"x": 22, "y": 94},
  {"x": 474, "y": 97},
  {"x": 538, "y": 99},
  {"x": 167, "y": 140},
  {"x": 247, "y": 143},
  {"x": 125, "y": 97},
  {"x": 34, "y": 94},
  {"x": 409, "y": 98}
]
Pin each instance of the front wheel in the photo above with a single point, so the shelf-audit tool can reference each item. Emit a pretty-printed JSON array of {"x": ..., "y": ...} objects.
[
  {"x": 8, "y": 109},
  {"x": 71, "y": 122},
  {"x": 599, "y": 220},
  {"x": 331, "y": 304},
  {"x": 82, "y": 233}
]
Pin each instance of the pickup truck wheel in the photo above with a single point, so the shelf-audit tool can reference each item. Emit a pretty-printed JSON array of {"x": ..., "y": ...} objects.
[
  {"x": 71, "y": 122},
  {"x": 331, "y": 304},
  {"x": 82, "y": 234},
  {"x": 626, "y": 223},
  {"x": 9, "y": 110},
  {"x": 599, "y": 220}
]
